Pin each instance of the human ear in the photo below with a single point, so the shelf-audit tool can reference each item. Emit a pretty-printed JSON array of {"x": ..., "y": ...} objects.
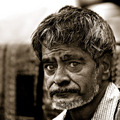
[{"x": 106, "y": 67}]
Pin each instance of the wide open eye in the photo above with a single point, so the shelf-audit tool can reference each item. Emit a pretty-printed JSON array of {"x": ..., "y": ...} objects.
[
  {"x": 50, "y": 68},
  {"x": 74, "y": 66}
]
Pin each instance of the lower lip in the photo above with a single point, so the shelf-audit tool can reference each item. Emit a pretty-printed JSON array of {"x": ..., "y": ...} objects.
[{"x": 65, "y": 95}]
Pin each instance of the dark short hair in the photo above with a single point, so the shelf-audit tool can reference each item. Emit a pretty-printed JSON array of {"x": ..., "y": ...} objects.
[{"x": 75, "y": 26}]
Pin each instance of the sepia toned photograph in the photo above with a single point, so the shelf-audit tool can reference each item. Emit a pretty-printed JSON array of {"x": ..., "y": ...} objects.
[{"x": 60, "y": 60}]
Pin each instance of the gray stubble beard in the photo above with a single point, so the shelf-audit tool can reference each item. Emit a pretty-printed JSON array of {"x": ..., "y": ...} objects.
[{"x": 77, "y": 102}]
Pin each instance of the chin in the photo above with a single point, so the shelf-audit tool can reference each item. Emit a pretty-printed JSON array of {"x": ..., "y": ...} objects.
[
  {"x": 68, "y": 104},
  {"x": 61, "y": 105}
]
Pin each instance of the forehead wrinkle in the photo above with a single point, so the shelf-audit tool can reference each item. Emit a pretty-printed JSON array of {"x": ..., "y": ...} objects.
[
  {"x": 56, "y": 56},
  {"x": 58, "y": 51},
  {"x": 52, "y": 55},
  {"x": 63, "y": 53}
]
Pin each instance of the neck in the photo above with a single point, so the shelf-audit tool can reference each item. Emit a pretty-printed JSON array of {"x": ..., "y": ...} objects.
[{"x": 87, "y": 111}]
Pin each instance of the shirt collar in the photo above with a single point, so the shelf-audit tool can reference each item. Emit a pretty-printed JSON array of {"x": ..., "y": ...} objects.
[
  {"x": 106, "y": 108},
  {"x": 61, "y": 116}
]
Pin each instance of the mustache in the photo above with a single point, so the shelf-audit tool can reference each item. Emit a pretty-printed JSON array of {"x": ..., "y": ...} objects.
[{"x": 53, "y": 92}]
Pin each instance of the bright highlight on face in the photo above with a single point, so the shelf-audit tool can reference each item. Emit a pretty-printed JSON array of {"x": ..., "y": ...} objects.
[{"x": 70, "y": 75}]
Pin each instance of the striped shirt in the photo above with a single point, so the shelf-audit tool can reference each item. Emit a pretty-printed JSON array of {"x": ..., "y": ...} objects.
[{"x": 107, "y": 108}]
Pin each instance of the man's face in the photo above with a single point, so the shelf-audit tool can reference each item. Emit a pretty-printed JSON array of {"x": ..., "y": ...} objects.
[{"x": 70, "y": 76}]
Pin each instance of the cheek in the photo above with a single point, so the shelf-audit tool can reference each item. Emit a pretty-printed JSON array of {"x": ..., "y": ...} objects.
[
  {"x": 83, "y": 82},
  {"x": 84, "y": 79},
  {"x": 48, "y": 81}
]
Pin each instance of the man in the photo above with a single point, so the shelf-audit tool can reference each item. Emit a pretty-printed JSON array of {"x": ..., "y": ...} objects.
[{"x": 76, "y": 49}]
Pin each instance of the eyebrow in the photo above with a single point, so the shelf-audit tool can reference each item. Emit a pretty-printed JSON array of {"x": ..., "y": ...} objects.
[
  {"x": 65, "y": 57},
  {"x": 71, "y": 57},
  {"x": 47, "y": 60}
]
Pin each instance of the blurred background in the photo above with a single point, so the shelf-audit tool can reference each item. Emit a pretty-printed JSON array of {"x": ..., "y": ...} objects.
[{"x": 19, "y": 67}]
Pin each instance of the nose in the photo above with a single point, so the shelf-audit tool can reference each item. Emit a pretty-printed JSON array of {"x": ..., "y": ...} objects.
[{"x": 61, "y": 78}]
